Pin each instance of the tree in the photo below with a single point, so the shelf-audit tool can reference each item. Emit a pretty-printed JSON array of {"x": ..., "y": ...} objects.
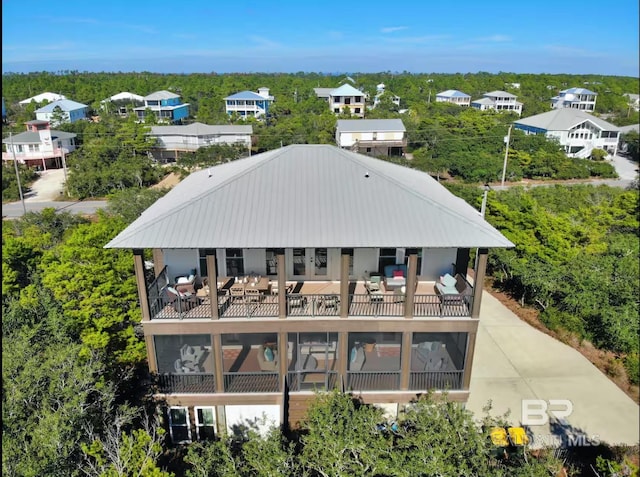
[{"x": 58, "y": 116}]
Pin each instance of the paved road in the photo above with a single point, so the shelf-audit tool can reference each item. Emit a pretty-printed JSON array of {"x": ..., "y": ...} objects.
[{"x": 14, "y": 209}]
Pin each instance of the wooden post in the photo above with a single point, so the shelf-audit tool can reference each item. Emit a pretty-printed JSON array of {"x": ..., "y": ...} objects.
[
  {"x": 412, "y": 277},
  {"x": 283, "y": 358},
  {"x": 468, "y": 366},
  {"x": 218, "y": 360},
  {"x": 405, "y": 360},
  {"x": 282, "y": 285},
  {"x": 158, "y": 261},
  {"x": 151, "y": 353},
  {"x": 343, "y": 356},
  {"x": 344, "y": 285},
  {"x": 138, "y": 264},
  {"x": 478, "y": 281},
  {"x": 212, "y": 279}
]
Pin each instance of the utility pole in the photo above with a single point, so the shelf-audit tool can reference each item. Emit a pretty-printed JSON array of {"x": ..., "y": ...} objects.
[
  {"x": 506, "y": 154},
  {"x": 15, "y": 163},
  {"x": 64, "y": 169},
  {"x": 483, "y": 208}
]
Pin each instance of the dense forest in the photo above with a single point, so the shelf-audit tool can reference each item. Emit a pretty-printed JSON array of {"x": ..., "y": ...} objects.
[{"x": 74, "y": 375}]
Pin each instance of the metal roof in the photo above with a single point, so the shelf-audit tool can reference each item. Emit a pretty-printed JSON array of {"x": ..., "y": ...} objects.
[
  {"x": 370, "y": 125},
  {"x": 578, "y": 91},
  {"x": 162, "y": 108},
  {"x": 31, "y": 137},
  {"x": 323, "y": 92},
  {"x": 309, "y": 196},
  {"x": 453, "y": 93},
  {"x": 346, "y": 90},
  {"x": 42, "y": 96},
  {"x": 124, "y": 95},
  {"x": 158, "y": 95},
  {"x": 199, "y": 129},
  {"x": 249, "y": 95},
  {"x": 499, "y": 94},
  {"x": 563, "y": 120},
  {"x": 487, "y": 101},
  {"x": 64, "y": 104}
]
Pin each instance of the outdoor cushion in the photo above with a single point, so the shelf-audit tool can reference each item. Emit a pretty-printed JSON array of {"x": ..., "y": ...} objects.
[
  {"x": 398, "y": 274},
  {"x": 354, "y": 353},
  {"x": 448, "y": 280},
  {"x": 183, "y": 280},
  {"x": 268, "y": 354}
]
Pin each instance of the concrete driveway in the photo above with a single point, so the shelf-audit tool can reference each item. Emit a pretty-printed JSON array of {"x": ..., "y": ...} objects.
[
  {"x": 625, "y": 167},
  {"x": 514, "y": 361},
  {"x": 48, "y": 187}
]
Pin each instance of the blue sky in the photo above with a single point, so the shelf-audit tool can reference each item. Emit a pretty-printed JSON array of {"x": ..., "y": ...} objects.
[{"x": 420, "y": 36}]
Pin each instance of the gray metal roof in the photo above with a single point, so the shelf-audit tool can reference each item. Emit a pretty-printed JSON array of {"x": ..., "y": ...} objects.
[
  {"x": 370, "y": 125},
  {"x": 161, "y": 95},
  {"x": 453, "y": 93},
  {"x": 323, "y": 92},
  {"x": 499, "y": 94},
  {"x": 631, "y": 127},
  {"x": 563, "y": 120},
  {"x": 66, "y": 105},
  {"x": 31, "y": 137},
  {"x": 200, "y": 129},
  {"x": 309, "y": 196}
]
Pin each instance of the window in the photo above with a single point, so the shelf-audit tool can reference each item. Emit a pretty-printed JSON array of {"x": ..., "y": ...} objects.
[
  {"x": 205, "y": 423},
  {"x": 358, "y": 99},
  {"x": 336, "y": 110},
  {"x": 387, "y": 257},
  {"x": 179, "y": 429},
  {"x": 272, "y": 262},
  {"x": 357, "y": 110},
  {"x": 202, "y": 259},
  {"x": 347, "y": 100},
  {"x": 336, "y": 99},
  {"x": 235, "y": 262},
  {"x": 34, "y": 147},
  {"x": 299, "y": 262}
]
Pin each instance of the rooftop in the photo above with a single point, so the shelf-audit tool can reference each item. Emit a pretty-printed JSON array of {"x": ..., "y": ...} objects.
[
  {"x": 370, "y": 125},
  {"x": 309, "y": 196},
  {"x": 64, "y": 104},
  {"x": 159, "y": 95},
  {"x": 564, "y": 119},
  {"x": 200, "y": 129}
]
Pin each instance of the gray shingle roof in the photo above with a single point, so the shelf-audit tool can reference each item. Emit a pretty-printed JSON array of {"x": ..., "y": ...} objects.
[
  {"x": 309, "y": 196},
  {"x": 564, "y": 119},
  {"x": 370, "y": 125},
  {"x": 200, "y": 129}
]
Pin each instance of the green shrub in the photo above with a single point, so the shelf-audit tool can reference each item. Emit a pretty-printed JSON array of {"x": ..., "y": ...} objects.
[{"x": 632, "y": 366}]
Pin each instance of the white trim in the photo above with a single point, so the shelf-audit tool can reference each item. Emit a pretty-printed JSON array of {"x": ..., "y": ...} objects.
[
  {"x": 202, "y": 424},
  {"x": 187, "y": 425}
]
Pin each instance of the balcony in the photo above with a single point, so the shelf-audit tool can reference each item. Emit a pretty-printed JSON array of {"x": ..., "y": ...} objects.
[
  {"x": 34, "y": 155},
  {"x": 310, "y": 299}
]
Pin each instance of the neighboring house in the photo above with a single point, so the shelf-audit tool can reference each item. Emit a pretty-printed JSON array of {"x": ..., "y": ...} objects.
[
  {"x": 248, "y": 104},
  {"x": 323, "y": 93},
  {"x": 633, "y": 100},
  {"x": 300, "y": 269},
  {"x": 50, "y": 97},
  {"x": 577, "y": 131},
  {"x": 623, "y": 146},
  {"x": 40, "y": 146},
  {"x": 170, "y": 140},
  {"x": 375, "y": 137},
  {"x": 62, "y": 111},
  {"x": 165, "y": 105},
  {"x": 498, "y": 101},
  {"x": 576, "y": 98},
  {"x": 346, "y": 96},
  {"x": 512, "y": 85},
  {"x": 122, "y": 100},
  {"x": 453, "y": 96},
  {"x": 380, "y": 90}
]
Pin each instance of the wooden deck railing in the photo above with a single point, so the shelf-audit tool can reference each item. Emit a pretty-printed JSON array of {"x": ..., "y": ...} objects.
[
  {"x": 425, "y": 380},
  {"x": 186, "y": 383}
]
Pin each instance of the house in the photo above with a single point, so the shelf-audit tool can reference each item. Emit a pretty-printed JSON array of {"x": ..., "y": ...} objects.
[
  {"x": 512, "y": 85},
  {"x": 122, "y": 100},
  {"x": 453, "y": 96},
  {"x": 576, "y": 98},
  {"x": 165, "y": 105},
  {"x": 39, "y": 146},
  {"x": 380, "y": 91},
  {"x": 498, "y": 101},
  {"x": 633, "y": 100},
  {"x": 577, "y": 131},
  {"x": 323, "y": 93},
  {"x": 248, "y": 104},
  {"x": 376, "y": 137},
  {"x": 170, "y": 140},
  {"x": 62, "y": 111},
  {"x": 346, "y": 96},
  {"x": 302, "y": 268},
  {"x": 39, "y": 98}
]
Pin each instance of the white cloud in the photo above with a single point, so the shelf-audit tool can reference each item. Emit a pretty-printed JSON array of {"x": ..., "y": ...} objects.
[
  {"x": 392, "y": 29},
  {"x": 495, "y": 38}
]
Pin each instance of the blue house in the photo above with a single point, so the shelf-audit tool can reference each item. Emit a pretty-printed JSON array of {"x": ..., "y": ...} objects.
[
  {"x": 71, "y": 112},
  {"x": 165, "y": 105},
  {"x": 249, "y": 104}
]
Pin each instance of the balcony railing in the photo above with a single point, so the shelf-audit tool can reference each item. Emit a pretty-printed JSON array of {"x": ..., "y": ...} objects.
[
  {"x": 373, "y": 380},
  {"x": 186, "y": 383},
  {"x": 254, "y": 382},
  {"x": 267, "y": 382},
  {"x": 425, "y": 380}
]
